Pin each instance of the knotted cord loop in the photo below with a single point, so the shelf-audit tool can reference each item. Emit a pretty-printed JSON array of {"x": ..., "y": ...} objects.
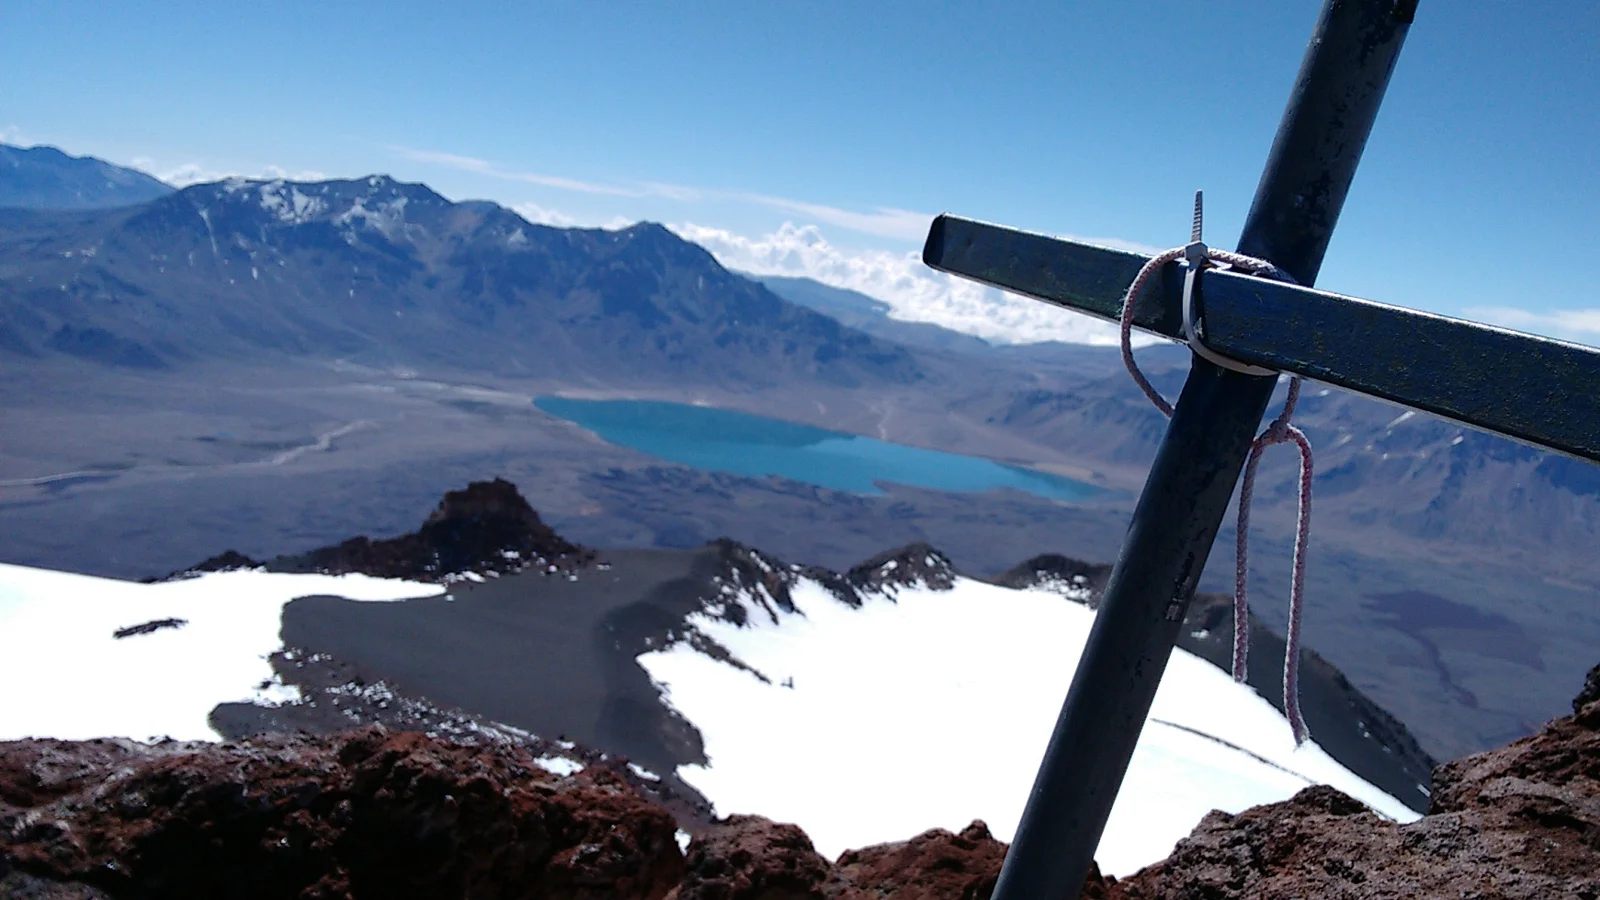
[{"x": 1278, "y": 431}]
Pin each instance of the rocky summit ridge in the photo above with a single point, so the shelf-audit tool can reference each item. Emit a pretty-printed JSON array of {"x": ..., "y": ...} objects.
[{"x": 377, "y": 814}]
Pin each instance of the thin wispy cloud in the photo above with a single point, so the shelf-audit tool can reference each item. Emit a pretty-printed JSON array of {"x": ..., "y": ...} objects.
[
  {"x": 673, "y": 191},
  {"x": 1578, "y": 325},
  {"x": 899, "y": 224},
  {"x": 913, "y": 291},
  {"x": 484, "y": 167}
]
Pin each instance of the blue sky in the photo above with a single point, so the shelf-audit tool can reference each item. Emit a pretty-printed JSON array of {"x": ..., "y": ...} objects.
[{"x": 818, "y": 138}]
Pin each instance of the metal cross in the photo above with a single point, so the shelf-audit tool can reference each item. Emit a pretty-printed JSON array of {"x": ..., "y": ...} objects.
[{"x": 1541, "y": 392}]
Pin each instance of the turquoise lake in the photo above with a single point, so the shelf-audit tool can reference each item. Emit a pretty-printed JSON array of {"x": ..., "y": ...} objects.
[{"x": 725, "y": 441}]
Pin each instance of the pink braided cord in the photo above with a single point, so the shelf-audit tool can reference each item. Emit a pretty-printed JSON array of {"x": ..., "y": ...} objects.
[{"x": 1279, "y": 431}]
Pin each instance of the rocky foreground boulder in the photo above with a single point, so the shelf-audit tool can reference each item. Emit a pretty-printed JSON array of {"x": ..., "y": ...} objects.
[
  {"x": 377, "y": 814},
  {"x": 1519, "y": 822},
  {"x": 365, "y": 814}
]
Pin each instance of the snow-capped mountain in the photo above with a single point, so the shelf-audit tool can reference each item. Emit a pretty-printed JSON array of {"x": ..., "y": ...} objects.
[
  {"x": 927, "y": 701},
  {"x": 383, "y": 272}
]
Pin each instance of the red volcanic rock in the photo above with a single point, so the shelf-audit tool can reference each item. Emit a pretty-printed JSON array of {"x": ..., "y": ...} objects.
[
  {"x": 375, "y": 814},
  {"x": 933, "y": 865},
  {"x": 1519, "y": 822},
  {"x": 751, "y": 858},
  {"x": 366, "y": 814}
]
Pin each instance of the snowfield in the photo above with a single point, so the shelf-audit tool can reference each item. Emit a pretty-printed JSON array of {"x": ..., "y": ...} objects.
[
  {"x": 933, "y": 709},
  {"x": 920, "y": 709},
  {"x": 63, "y": 674}
]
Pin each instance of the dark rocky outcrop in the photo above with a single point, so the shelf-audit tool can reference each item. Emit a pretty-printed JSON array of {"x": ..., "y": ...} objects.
[
  {"x": 1052, "y": 571},
  {"x": 745, "y": 569},
  {"x": 1590, "y": 692},
  {"x": 487, "y": 527},
  {"x": 226, "y": 561},
  {"x": 914, "y": 565},
  {"x": 150, "y": 627}
]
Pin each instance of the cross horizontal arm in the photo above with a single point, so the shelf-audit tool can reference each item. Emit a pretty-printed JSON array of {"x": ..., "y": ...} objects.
[{"x": 1532, "y": 389}]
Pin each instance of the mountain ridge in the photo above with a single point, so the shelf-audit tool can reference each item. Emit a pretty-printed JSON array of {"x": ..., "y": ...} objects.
[
  {"x": 385, "y": 272},
  {"x": 44, "y": 177}
]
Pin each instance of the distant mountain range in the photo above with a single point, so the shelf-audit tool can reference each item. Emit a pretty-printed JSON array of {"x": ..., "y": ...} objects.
[
  {"x": 45, "y": 178},
  {"x": 384, "y": 273}
]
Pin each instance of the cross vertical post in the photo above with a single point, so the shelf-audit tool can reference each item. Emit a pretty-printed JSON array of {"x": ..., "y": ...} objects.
[{"x": 1313, "y": 159}]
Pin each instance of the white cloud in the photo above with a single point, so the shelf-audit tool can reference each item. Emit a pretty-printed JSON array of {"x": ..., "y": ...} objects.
[
  {"x": 914, "y": 292},
  {"x": 1579, "y": 325},
  {"x": 196, "y": 173},
  {"x": 541, "y": 215},
  {"x": 279, "y": 172}
]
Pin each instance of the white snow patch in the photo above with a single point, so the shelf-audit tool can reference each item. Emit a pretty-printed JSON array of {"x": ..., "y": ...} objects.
[
  {"x": 387, "y": 218},
  {"x": 934, "y": 709},
  {"x": 291, "y": 207},
  {"x": 642, "y": 772},
  {"x": 65, "y": 676},
  {"x": 559, "y": 765},
  {"x": 683, "y": 839}
]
